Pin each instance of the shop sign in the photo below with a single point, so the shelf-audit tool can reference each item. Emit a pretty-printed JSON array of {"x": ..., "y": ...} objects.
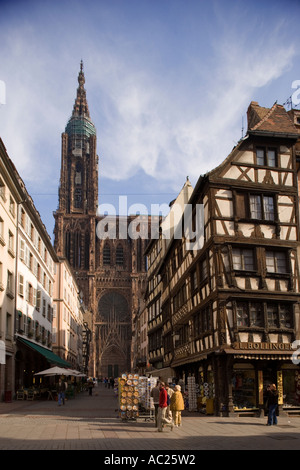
[{"x": 263, "y": 346}]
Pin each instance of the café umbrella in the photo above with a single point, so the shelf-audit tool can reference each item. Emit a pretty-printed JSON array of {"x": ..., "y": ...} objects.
[{"x": 55, "y": 371}]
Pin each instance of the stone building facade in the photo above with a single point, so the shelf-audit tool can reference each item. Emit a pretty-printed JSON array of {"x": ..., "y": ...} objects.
[{"x": 110, "y": 269}]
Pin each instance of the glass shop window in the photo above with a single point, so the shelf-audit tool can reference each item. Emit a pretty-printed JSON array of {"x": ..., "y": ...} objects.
[
  {"x": 243, "y": 389},
  {"x": 291, "y": 388}
]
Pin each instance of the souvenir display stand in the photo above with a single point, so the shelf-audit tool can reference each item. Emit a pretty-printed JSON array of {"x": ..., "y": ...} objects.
[
  {"x": 193, "y": 392},
  {"x": 134, "y": 397}
]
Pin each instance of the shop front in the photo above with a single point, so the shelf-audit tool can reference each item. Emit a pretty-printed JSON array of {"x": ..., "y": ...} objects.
[
  {"x": 252, "y": 372},
  {"x": 234, "y": 382}
]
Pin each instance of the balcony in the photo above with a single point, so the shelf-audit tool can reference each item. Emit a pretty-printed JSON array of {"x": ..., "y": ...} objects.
[
  {"x": 180, "y": 314},
  {"x": 182, "y": 351}
]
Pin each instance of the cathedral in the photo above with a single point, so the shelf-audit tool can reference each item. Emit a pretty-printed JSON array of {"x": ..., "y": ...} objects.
[{"x": 110, "y": 269}]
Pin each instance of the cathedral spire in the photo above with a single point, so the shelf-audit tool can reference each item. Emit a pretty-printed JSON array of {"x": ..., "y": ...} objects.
[
  {"x": 81, "y": 107},
  {"x": 80, "y": 121}
]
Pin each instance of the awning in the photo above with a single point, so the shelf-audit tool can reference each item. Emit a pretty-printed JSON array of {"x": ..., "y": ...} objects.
[{"x": 49, "y": 355}]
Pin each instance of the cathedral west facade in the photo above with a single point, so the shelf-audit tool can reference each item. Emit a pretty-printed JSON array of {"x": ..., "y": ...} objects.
[{"x": 110, "y": 269}]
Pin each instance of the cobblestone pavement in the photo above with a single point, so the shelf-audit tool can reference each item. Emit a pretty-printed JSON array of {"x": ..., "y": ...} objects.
[{"x": 92, "y": 423}]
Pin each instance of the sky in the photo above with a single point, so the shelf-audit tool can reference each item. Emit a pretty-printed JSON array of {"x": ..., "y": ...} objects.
[{"x": 168, "y": 86}]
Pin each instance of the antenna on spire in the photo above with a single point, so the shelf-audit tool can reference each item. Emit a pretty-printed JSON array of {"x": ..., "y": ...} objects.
[{"x": 81, "y": 65}]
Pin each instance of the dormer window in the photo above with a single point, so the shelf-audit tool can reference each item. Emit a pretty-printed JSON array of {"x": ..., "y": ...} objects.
[{"x": 266, "y": 156}]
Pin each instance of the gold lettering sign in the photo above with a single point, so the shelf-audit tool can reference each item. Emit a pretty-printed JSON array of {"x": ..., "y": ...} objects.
[{"x": 263, "y": 346}]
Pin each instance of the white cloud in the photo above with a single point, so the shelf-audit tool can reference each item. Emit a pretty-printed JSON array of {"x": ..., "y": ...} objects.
[
  {"x": 149, "y": 131},
  {"x": 147, "y": 118}
]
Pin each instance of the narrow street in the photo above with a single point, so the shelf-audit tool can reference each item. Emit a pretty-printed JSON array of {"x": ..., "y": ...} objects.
[{"x": 93, "y": 423}]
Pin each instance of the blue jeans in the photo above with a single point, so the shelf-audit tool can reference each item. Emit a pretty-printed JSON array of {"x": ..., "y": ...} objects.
[
  {"x": 272, "y": 418},
  {"x": 61, "y": 398}
]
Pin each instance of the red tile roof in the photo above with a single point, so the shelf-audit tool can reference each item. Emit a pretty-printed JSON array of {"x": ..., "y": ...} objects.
[{"x": 273, "y": 120}]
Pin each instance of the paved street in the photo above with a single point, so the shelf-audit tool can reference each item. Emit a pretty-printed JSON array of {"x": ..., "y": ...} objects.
[{"x": 88, "y": 423}]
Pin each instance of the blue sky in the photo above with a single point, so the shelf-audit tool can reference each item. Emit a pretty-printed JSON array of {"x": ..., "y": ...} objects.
[{"x": 168, "y": 85}]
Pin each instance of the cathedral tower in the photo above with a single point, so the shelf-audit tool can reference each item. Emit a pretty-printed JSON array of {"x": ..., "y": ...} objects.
[
  {"x": 78, "y": 191},
  {"x": 111, "y": 273}
]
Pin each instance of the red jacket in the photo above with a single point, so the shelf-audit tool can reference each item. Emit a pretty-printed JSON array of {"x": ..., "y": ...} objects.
[{"x": 163, "y": 398}]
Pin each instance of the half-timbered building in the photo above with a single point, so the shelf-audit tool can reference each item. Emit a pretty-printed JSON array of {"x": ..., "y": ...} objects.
[{"x": 231, "y": 303}]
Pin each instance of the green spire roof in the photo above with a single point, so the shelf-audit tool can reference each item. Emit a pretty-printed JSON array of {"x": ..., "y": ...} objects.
[{"x": 80, "y": 122}]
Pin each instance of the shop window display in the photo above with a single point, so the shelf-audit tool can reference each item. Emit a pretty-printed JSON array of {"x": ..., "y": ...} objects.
[
  {"x": 243, "y": 389},
  {"x": 291, "y": 388}
]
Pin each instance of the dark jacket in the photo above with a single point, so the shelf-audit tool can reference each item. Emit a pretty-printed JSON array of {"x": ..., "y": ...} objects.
[{"x": 272, "y": 397}]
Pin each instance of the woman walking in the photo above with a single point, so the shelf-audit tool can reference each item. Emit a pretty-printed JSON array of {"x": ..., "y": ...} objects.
[{"x": 177, "y": 405}]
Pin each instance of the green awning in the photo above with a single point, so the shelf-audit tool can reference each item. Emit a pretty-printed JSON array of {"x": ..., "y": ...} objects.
[{"x": 49, "y": 355}]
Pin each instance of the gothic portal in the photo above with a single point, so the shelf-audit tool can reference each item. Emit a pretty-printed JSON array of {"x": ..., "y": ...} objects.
[{"x": 110, "y": 272}]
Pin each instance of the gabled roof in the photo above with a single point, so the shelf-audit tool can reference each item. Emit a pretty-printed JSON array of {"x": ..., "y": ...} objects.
[{"x": 273, "y": 120}]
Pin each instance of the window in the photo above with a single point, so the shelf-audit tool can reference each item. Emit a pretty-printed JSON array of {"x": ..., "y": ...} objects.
[
  {"x": 2, "y": 189},
  {"x": 194, "y": 280},
  {"x": 262, "y": 207},
  {"x": 38, "y": 299},
  {"x": 279, "y": 315},
  {"x": 12, "y": 206},
  {"x": 78, "y": 198},
  {"x": 21, "y": 285},
  {"x": 179, "y": 299},
  {"x": 10, "y": 285},
  {"x": 10, "y": 243},
  {"x": 249, "y": 314},
  {"x": 266, "y": 156},
  {"x": 256, "y": 314},
  {"x": 29, "y": 293},
  {"x": 243, "y": 259},
  {"x": 106, "y": 254},
  {"x": 22, "y": 217},
  {"x": 119, "y": 255},
  {"x": 181, "y": 335},
  {"x": 242, "y": 316},
  {"x": 285, "y": 316},
  {"x": 255, "y": 206},
  {"x": 202, "y": 322},
  {"x": 276, "y": 262},
  {"x": 203, "y": 270}
]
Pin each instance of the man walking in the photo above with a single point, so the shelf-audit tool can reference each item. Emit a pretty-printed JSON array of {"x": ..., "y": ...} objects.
[
  {"x": 61, "y": 389},
  {"x": 155, "y": 395}
]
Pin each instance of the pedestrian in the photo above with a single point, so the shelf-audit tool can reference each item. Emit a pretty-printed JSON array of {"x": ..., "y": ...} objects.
[
  {"x": 177, "y": 405},
  {"x": 155, "y": 395},
  {"x": 272, "y": 404},
  {"x": 170, "y": 392},
  {"x": 61, "y": 390},
  {"x": 90, "y": 386},
  {"x": 162, "y": 419}
]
